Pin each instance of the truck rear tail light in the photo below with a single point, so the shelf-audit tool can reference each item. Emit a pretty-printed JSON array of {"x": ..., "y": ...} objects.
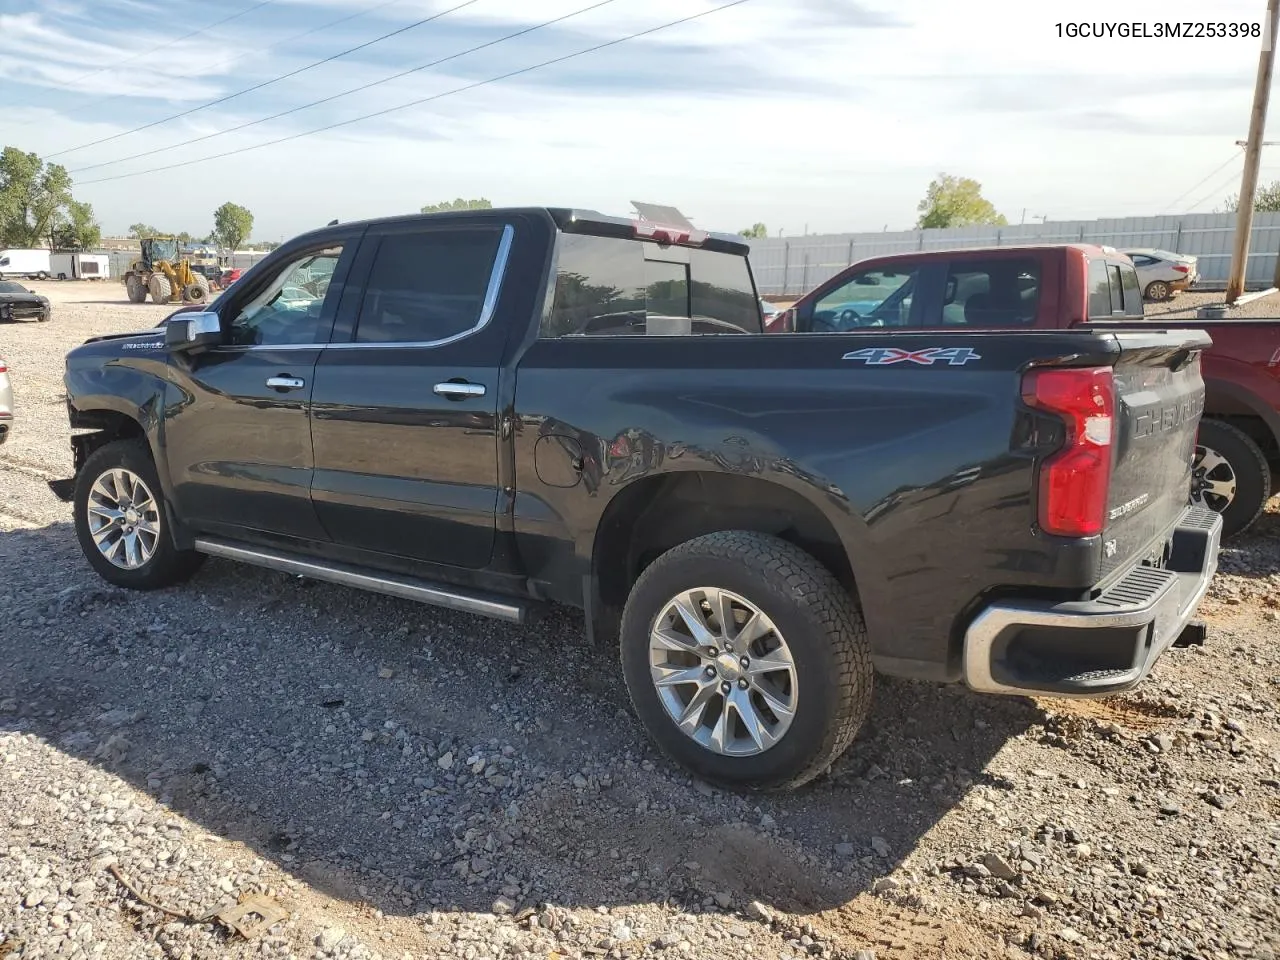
[
  {"x": 1179, "y": 268},
  {"x": 683, "y": 236},
  {"x": 1074, "y": 481}
]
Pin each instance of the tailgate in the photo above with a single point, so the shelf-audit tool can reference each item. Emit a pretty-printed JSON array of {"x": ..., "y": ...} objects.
[{"x": 1159, "y": 399}]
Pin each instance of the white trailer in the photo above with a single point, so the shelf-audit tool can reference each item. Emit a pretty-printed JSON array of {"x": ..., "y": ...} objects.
[
  {"x": 25, "y": 263},
  {"x": 80, "y": 266}
]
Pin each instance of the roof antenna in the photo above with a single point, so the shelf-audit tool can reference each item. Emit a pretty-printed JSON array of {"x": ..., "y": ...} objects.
[{"x": 332, "y": 223}]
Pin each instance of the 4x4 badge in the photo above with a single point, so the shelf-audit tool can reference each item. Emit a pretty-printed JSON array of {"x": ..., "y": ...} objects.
[{"x": 881, "y": 356}]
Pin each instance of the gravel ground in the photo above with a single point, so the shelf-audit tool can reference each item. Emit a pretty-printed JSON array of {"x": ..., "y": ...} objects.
[
  {"x": 408, "y": 783},
  {"x": 1184, "y": 306}
]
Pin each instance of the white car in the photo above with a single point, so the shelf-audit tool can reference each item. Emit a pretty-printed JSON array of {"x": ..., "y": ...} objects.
[
  {"x": 1161, "y": 273},
  {"x": 6, "y": 402}
]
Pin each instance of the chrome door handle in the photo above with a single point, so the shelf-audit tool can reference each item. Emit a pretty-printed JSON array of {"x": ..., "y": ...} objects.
[
  {"x": 459, "y": 391},
  {"x": 286, "y": 383}
]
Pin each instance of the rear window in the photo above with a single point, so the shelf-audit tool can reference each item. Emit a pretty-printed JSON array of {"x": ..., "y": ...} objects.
[
  {"x": 1132, "y": 291},
  {"x": 1099, "y": 291},
  {"x": 991, "y": 293},
  {"x": 608, "y": 286}
]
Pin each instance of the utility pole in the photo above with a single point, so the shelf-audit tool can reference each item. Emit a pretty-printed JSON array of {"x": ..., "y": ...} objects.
[{"x": 1253, "y": 155}]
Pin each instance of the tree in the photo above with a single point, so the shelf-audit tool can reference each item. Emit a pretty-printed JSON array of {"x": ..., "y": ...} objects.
[
  {"x": 757, "y": 231},
  {"x": 232, "y": 225},
  {"x": 140, "y": 230},
  {"x": 76, "y": 229},
  {"x": 185, "y": 238},
  {"x": 32, "y": 195},
  {"x": 459, "y": 204},
  {"x": 1265, "y": 200},
  {"x": 956, "y": 202}
]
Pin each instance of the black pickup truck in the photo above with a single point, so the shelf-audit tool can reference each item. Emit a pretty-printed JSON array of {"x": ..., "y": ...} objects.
[{"x": 496, "y": 410}]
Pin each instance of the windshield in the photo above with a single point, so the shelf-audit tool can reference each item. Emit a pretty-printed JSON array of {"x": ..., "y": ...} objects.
[
  {"x": 164, "y": 250},
  {"x": 8, "y": 286}
]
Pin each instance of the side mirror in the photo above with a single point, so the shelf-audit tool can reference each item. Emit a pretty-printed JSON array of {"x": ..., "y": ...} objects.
[{"x": 189, "y": 332}]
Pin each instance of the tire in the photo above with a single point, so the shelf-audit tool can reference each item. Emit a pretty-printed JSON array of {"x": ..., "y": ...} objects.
[
  {"x": 811, "y": 615},
  {"x": 41, "y": 275},
  {"x": 195, "y": 293},
  {"x": 62, "y": 276},
  {"x": 46, "y": 316},
  {"x": 136, "y": 289},
  {"x": 160, "y": 288},
  {"x": 1158, "y": 290},
  {"x": 165, "y": 565},
  {"x": 1230, "y": 475}
]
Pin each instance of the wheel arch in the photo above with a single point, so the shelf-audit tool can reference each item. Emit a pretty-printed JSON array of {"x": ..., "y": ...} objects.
[
  {"x": 1242, "y": 408},
  {"x": 655, "y": 513}
]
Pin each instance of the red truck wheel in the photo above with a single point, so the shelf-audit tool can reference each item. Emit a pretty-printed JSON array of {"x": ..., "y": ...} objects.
[{"x": 1230, "y": 475}]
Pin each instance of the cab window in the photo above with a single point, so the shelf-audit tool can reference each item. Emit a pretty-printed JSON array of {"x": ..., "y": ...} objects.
[
  {"x": 288, "y": 310},
  {"x": 881, "y": 297}
]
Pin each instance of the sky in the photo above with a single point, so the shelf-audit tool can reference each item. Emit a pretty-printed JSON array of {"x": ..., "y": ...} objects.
[{"x": 806, "y": 115}]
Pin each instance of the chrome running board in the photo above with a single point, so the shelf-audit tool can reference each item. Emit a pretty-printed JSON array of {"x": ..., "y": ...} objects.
[{"x": 407, "y": 588}]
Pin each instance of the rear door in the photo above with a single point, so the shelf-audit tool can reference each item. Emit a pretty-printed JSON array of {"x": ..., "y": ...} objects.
[{"x": 405, "y": 421}]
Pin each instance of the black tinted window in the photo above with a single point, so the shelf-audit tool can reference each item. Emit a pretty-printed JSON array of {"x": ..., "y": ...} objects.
[
  {"x": 427, "y": 286},
  {"x": 606, "y": 286},
  {"x": 990, "y": 293},
  {"x": 1117, "y": 288},
  {"x": 1099, "y": 290}
]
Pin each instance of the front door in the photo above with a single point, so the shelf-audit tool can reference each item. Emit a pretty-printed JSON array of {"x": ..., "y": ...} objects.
[
  {"x": 237, "y": 424},
  {"x": 405, "y": 412}
]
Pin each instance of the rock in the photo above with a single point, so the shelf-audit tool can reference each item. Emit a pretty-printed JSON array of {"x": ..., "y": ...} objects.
[
  {"x": 668, "y": 940},
  {"x": 1069, "y": 935},
  {"x": 767, "y": 822},
  {"x": 1162, "y": 742},
  {"x": 1082, "y": 851},
  {"x": 446, "y": 761},
  {"x": 977, "y": 870},
  {"x": 845, "y": 849},
  {"x": 503, "y": 906},
  {"x": 1219, "y": 801},
  {"x": 881, "y": 847},
  {"x": 738, "y": 931},
  {"x": 33, "y": 899},
  {"x": 723, "y": 900},
  {"x": 758, "y": 911},
  {"x": 621, "y": 932},
  {"x": 865, "y": 955},
  {"x": 579, "y": 782},
  {"x": 1032, "y": 912},
  {"x": 1169, "y": 809},
  {"x": 999, "y": 867},
  {"x": 886, "y": 885},
  {"x": 1140, "y": 868},
  {"x": 386, "y": 673},
  {"x": 329, "y": 939}
]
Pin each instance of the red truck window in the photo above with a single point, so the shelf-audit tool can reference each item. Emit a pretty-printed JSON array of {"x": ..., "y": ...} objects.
[
  {"x": 1099, "y": 291},
  {"x": 990, "y": 293}
]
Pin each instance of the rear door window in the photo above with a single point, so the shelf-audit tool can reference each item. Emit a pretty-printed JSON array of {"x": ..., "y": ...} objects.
[
  {"x": 1001, "y": 292},
  {"x": 428, "y": 286},
  {"x": 609, "y": 286}
]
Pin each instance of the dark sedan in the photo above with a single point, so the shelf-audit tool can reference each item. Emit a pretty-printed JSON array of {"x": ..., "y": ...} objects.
[{"x": 19, "y": 303}]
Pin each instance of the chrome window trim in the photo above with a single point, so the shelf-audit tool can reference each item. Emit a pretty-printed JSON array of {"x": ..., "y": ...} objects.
[
  {"x": 491, "y": 294},
  {"x": 490, "y": 306}
]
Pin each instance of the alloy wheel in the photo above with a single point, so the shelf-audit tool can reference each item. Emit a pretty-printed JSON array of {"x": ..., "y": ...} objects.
[
  {"x": 723, "y": 672},
  {"x": 124, "y": 518},
  {"x": 1213, "y": 481}
]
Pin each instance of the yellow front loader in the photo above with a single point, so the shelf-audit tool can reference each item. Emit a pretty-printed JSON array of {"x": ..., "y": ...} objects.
[{"x": 160, "y": 273}]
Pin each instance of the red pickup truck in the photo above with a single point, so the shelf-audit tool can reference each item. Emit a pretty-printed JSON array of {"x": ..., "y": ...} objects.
[{"x": 1053, "y": 287}]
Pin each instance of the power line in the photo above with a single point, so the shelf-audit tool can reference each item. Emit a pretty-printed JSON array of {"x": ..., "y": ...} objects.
[
  {"x": 97, "y": 102},
  {"x": 438, "y": 96},
  {"x": 264, "y": 83},
  {"x": 1200, "y": 183},
  {"x": 170, "y": 43},
  {"x": 337, "y": 96},
  {"x": 1221, "y": 185}
]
